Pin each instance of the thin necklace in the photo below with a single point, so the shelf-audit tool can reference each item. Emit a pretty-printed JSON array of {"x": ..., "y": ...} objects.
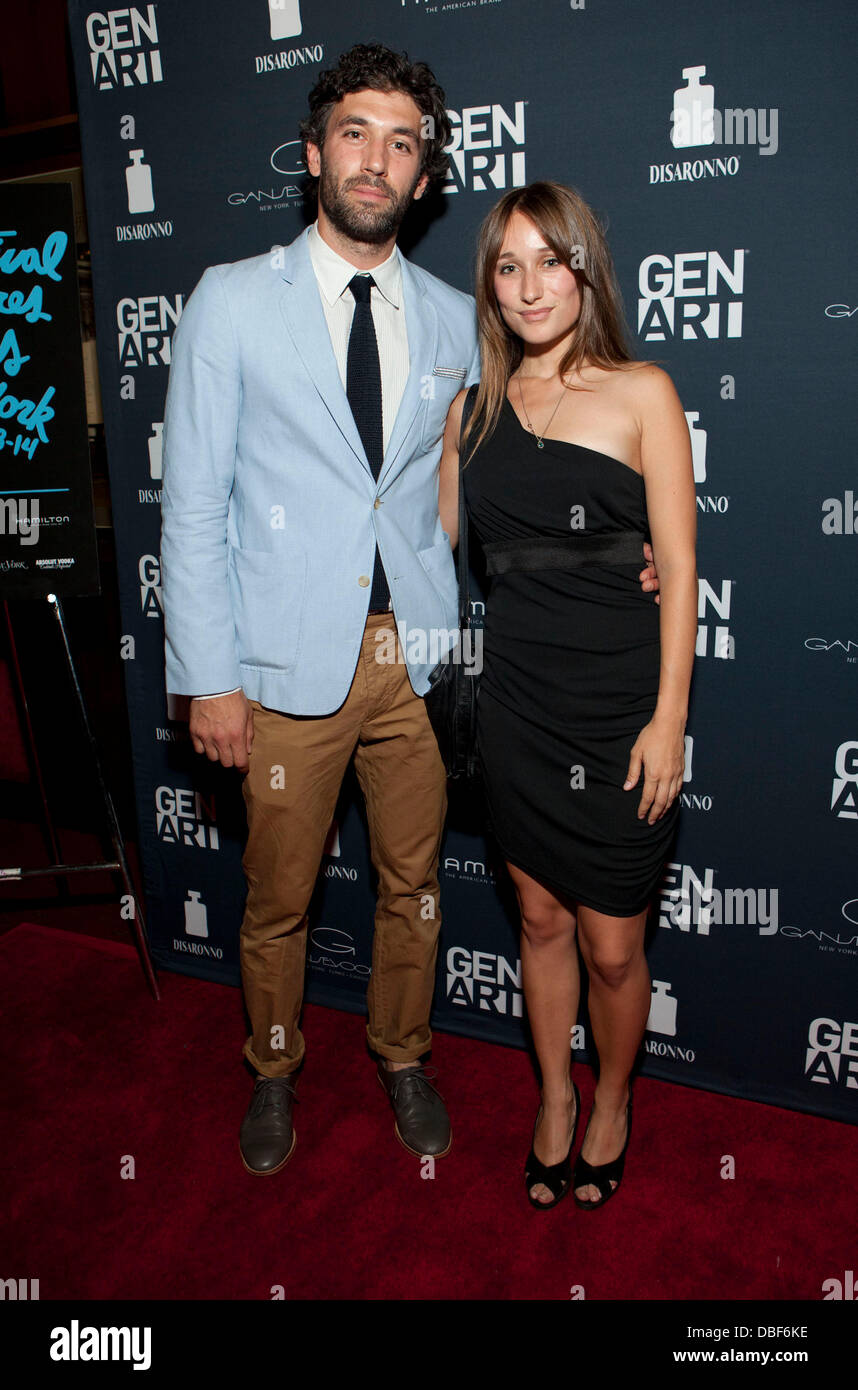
[{"x": 540, "y": 438}]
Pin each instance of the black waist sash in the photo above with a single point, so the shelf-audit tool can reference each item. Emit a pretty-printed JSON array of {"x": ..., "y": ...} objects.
[{"x": 565, "y": 552}]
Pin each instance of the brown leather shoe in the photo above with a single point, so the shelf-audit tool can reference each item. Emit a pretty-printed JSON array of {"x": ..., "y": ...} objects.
[
  {"x": 267, "y": 1138},
  {"x": 422, "y": 1124}
]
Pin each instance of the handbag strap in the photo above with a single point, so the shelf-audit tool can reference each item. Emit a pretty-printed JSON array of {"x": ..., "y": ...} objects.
[{"x": 462, "y": 562}]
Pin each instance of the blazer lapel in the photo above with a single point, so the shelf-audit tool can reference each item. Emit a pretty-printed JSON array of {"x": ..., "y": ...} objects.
[
  {"x": 301, "y": 306},
  {"x": 421, "y": 322}
]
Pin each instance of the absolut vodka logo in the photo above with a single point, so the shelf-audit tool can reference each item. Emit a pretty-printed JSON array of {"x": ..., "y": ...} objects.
[
  {"x": 123, "y": 48},
  {"x": 693, "y": 294}
]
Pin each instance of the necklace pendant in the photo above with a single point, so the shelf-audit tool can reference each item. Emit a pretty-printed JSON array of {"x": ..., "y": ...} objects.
[{"x": 539, "y": 444}]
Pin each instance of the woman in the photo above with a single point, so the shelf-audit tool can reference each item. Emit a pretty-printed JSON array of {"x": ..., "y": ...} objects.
[{"x": 573, "y": 454}]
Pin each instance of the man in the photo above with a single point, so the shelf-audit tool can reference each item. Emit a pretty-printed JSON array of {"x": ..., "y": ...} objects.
[{"x": 307, "y": 400}]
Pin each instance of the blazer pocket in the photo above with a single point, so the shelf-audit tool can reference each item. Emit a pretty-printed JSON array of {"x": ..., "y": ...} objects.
[
  {"x": 268, "y": 592},
  {"x": 437, "y": 407},
  {"x": 435, "y": 559}
]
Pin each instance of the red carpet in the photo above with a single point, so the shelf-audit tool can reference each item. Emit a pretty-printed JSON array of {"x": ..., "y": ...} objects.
[{"x": 96, "y": 1072}]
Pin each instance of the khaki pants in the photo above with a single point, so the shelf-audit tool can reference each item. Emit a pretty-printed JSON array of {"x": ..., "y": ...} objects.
[{"x": 384, "y": 725}]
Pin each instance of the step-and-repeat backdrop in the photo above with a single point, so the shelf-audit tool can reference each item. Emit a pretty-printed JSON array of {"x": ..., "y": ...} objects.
[{"x": 717, "y": 142}]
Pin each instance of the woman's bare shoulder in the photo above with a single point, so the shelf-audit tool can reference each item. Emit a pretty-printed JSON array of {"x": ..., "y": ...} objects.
[{"x": 646, "y": 382}]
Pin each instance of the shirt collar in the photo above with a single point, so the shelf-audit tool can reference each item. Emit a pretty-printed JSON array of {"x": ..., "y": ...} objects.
[{"x": 334, "y": 272}]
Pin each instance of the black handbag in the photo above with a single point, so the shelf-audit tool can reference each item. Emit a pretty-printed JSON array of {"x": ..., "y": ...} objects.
[{"x": 451, "y": 701}]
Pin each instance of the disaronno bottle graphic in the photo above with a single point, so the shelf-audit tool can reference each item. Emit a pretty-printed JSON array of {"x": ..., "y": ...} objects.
[
  {"x": 155, "y": 444},
  {"x": 662, "y": 1010},
  {"x": 196, "y": 917},
  {"x": 693, "y": 111},
  {"x": 285, "y": 18},
  {"x": 138, "y": 177},
  {"x": 698, "y": 445}
]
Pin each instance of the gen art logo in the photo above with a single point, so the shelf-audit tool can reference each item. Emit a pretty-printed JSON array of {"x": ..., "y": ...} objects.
[
  {"x": 123, "y": 48},
  {"x": 691, "y": 295},
  {"x": 486, "y": 149},
  {"x": 844, "y": 788},
  {"x": 832, "y": 1053},
  {"x": 485, "y": 982}
]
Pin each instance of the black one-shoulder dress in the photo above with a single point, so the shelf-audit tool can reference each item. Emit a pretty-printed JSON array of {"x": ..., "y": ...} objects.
[{"x": 571, "y": 662}]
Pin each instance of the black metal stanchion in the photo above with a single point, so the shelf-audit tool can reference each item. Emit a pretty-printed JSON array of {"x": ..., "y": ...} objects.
[{"x": 59, "y": 869}]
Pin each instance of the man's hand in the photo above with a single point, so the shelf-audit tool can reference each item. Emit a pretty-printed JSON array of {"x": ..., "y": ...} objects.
[
  {"x": 648, "y": 577},
  {"x": 222, "y": 728}
]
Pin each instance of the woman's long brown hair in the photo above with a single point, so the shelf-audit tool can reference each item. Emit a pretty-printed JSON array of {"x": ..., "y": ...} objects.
[{"x": 572, "y": 230}]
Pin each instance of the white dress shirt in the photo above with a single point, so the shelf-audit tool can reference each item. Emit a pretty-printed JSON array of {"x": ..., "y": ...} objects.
[{"x": 333, "y": 274}]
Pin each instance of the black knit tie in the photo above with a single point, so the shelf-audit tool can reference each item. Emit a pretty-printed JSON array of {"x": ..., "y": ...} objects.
[{"x": 363, "y": 388}]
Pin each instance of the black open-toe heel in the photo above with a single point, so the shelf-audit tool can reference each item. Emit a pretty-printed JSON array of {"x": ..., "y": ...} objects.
[
  {"x": 555, "y": 1176},
  {"x": 601, "y": 1175}
]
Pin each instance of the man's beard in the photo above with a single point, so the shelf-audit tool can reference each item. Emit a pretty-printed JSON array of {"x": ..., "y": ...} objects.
[{"x": 368, "y": 222}]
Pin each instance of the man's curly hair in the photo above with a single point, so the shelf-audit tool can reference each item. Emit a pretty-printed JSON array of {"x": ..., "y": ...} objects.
[{"x": 375, "y": 66}]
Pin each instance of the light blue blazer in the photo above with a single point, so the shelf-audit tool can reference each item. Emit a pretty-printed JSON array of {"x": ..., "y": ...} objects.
[{"x": 270, "y": 512}]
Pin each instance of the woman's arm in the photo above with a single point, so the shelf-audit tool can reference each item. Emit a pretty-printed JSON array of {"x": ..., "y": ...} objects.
[
  {"x": 448, "y": 477},
  {"x": 672, "y": 510}
]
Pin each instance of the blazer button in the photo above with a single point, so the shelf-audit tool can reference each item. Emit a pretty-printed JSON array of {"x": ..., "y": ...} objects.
[
  {"x": 377, "y": 503},
  {"x": 364, "y": 581}
]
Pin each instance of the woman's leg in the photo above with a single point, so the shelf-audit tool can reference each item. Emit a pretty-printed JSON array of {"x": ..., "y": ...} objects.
[
  {"x": 549, "y": 968},
  {"x": 618, "y": 1003}
]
